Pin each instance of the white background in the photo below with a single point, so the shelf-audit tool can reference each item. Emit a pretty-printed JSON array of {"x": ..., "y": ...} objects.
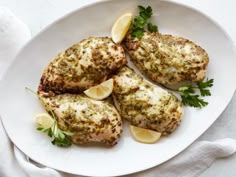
[{"x": 39, "y": 13}]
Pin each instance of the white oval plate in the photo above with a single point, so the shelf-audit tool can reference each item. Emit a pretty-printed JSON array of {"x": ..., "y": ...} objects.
[{"x": 128, "y": 156}]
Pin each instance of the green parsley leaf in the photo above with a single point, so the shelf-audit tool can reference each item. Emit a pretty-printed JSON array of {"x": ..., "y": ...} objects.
[
  {"x": 145, "y": 13},
  {"x": 61, "y": 135},
  {"x": 68, "y": 133},
  {"x": 42, "y": 129},
  {"x": 186, "y": 89},
  {"x": 191, "y": 98},
  {"x": 203, "y": 87},
  {"x": 152, "y": 28},
  {"x": 61, "y": 143},
  {"x": 138, "y": 33},
  {"x": 139, "y": 23},
  {"x": 141, "y": 8}
]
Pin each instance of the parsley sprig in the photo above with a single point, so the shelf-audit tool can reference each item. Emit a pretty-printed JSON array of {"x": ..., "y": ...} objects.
[
  {"x": 140, "y": 22},
  {"x": 58, "y": 136},
  {"x": 191, "y": 98}
]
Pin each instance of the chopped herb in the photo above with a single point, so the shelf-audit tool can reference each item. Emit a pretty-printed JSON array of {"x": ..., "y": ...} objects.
[
  {"x": 59, "y": 137},
  {"x": 140, "y": 22}
]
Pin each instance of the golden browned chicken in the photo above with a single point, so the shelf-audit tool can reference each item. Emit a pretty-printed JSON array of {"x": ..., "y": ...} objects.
[
  {"x": 144, "y": 104},
  {"x": 83, "y": 65},
  {"x": 167, "y": 59},
  {"x": 89, "y": 120}
]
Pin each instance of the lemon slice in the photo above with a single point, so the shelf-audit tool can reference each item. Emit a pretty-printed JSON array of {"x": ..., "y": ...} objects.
[
  {"x": 145, "y": 135},
  {"x": 120, "y": 27},
  {"x": 100, "y": 91},
  {"x": 44, "y": 120}
]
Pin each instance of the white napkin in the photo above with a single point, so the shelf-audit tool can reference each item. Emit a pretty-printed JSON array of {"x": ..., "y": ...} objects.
[
  {"x": 13, "y": 34},
  {"x": 14, "y": 163}
]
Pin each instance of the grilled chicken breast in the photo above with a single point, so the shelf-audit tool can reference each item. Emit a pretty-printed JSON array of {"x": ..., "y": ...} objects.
[
  {"x": 83, "y": 65},
  {"x": 167, "y": 59},
  {"x": 89, "y": 120},
  {"x": 144, "y": 104}
]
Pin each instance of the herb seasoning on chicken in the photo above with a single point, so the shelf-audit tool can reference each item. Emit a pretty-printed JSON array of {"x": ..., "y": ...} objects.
[
  {"x": 167, "y": 59},
  {"x": 88, "y": 120},
  {"x": 83, "y": 65},
  {"x": 144, "y": 104}
]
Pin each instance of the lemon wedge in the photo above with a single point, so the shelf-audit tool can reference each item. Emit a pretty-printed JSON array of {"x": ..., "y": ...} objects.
[
  {"x": 120, "y": 27},
  {"x": 100, "y": 91},
  {"x": 44, "y": 120},
  {"x": 145, "y": 135}
]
